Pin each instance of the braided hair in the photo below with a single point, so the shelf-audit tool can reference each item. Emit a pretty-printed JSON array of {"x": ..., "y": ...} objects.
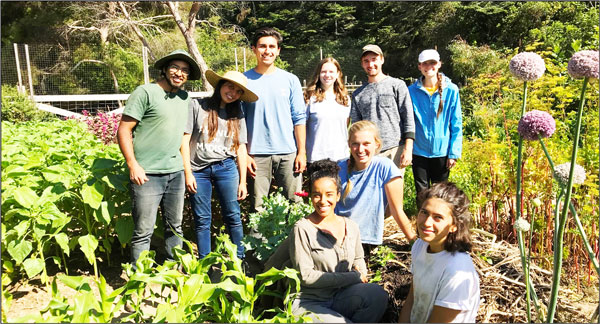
[{"x": 440, "y": 91}]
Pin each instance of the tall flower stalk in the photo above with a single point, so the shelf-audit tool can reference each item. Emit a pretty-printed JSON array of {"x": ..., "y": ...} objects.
[
  {"x": 583, "y": 64},
  {"x": 525, "y": 66}
]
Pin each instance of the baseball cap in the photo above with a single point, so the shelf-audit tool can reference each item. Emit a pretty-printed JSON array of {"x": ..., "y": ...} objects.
[
  {"x": 371, "y": 48},
  {"x": 428, "y": 55}
]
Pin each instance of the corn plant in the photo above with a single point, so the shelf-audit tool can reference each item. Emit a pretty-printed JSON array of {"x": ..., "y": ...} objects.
[{"x": 232, "y": 299}]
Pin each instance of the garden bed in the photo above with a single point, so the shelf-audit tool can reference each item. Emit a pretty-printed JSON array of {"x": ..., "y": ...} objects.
[{"x": 497, "y": 263}]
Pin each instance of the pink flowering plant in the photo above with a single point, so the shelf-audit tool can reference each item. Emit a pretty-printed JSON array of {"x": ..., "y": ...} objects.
[
  {"x": 103, "y": 125},
  {"x": 583, "y": 64},
  {"x": 525, "y": 66},
  {"x": 536, "y": 124}
]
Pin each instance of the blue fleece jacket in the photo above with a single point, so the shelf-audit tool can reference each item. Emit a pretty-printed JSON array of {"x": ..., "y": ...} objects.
[{"x": 437, "y": 137}]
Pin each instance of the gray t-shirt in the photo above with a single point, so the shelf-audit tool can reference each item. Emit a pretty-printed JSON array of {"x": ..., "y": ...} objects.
[
  {"x": 387, "y": 103},
  {"x": 203, "y": 152}
]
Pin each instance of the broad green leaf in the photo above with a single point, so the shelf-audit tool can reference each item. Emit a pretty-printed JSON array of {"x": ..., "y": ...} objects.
[
  {"x": 92, "y": 194},
  {"x": 124, "y": 229},
  {"x": 88, "y": 245},
  {"x": 15, "y": 171},
  {"x": 33, "y": 267},
  {"x": 75, "y": 282},
  {"x": 59, "y": 173},
  {"x": 103, "y": 164},
  {"x": 57, "y": 261},
  {"x": 19, "y": 249},
  {"x": 25, "y": 197},
  {"x": 83, "y": 312},
  {"x": 102, "y": 215},
  {"x": 63, "y": 241},
  {"x": 22, "y": 228},
  {"x": 116, "y": 181}
]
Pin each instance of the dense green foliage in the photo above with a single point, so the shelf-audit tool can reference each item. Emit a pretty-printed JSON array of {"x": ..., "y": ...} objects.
[
  {"x": 18, "y": 107},
  {"x": 273, "y": 224},
  {"x": 61, "y": 189}
]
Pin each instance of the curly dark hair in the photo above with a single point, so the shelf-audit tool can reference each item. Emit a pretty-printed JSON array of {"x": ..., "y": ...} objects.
[
  {"x": 264, "y": 32},
  {"x": 459, "y": 240},
  {"x": 324, "y": 169}
]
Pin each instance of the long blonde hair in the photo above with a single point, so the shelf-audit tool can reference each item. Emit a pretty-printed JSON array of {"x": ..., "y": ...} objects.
[
  {"x": 314, "y": 86},
  {"x": 363, "y": 125}
]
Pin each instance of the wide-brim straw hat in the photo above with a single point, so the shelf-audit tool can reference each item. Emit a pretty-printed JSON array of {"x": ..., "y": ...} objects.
[
  {"x": 182, "y": 56},
  {"x": 235, "y": 77}
]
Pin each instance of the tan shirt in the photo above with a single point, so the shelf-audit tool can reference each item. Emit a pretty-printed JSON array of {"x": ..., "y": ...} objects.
[{"x": 324, "y": 264}]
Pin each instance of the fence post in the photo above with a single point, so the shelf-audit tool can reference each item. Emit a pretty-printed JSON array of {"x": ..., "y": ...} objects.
[
  {"x": 20, "y": 87},
  {"x": 245, "y": 60},
  {"x": 236, "y": 60},
  {"x": 29, "y": 70},
  {"x": 321, "y": 51},
  {"x": 145, "y": 63}
]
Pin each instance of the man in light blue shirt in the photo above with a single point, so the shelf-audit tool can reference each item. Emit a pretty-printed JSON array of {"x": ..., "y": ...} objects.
[{"x": 275, "y": 123}]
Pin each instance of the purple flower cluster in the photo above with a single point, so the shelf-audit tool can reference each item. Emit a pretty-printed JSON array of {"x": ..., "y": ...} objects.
[
  {"x": 527, "y": 66},
  {"x": 584, "y": 64},
  {"x": 103, "y": 125},
  {"x": 536, "y": 123},
  {"x": 561, "y": 173}
]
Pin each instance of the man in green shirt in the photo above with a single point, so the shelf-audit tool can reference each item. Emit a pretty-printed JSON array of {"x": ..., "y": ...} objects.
[{"x": 150, "y": 136}]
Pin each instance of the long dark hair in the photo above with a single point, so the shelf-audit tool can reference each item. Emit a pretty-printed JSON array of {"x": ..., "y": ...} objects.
[
  {"x": 324, "y": 169},
  {"x": 459, "y": 240},
  {"x": 314, "y": 86},
  {"x": 233, "y": 113}
]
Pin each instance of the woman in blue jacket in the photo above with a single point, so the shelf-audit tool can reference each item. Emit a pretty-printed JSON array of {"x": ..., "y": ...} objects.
[{"x": 438, "y": 121}]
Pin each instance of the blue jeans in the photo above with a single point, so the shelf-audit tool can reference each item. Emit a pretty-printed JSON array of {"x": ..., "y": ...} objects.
[
  {"x": 166, "y": 190},
  {"x": 225, "y": 177}
]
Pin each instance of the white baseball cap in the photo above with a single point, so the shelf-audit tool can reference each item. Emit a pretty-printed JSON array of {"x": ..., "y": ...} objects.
[{"x": 428, "y": 55}]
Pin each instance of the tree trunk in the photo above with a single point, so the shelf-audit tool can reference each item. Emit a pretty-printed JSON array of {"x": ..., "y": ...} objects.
[
  {"x": 188, "y": 34},
  {"x": 136, "y": 29}
]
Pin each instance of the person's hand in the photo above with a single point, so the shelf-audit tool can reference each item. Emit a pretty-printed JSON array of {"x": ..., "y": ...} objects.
[
  {"x": 406, "y": 157},
  {"x": 137, "y": 174},
  {"x": 242, "y": 191},
  {"x": 190, "y": 183},
  {"x": 450, "y": 163},
  {"x": 363, "y": 277},
  {"x": 300, "y": 163},
  {"x": 251, "y": 165}
]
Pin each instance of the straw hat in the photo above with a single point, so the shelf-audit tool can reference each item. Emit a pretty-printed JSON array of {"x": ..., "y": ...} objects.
[{"x": 235, "y": 77}]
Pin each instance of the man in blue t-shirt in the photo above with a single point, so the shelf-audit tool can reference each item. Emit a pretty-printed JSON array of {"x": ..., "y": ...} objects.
[{"x": 275, "y": 123}]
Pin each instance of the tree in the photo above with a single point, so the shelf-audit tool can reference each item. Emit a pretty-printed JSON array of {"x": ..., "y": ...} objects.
[{"x": 188, "y": 34}]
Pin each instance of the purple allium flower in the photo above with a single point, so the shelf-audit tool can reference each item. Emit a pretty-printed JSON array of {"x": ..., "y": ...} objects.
[
  {"x": 584, "y": 64},
  {"x": 536, "y": 122},
  {"x": 527, "y": 66},
  {"x": 561, "y": 173}
]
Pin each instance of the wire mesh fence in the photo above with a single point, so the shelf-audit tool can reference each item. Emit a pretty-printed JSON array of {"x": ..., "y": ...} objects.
[{"x": 53, "y": 70}]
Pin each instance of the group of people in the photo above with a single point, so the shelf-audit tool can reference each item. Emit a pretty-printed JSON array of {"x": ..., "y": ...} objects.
[{"x": 260, "y": 123}]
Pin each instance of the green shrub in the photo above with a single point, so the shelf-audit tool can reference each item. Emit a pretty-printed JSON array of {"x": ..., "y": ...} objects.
[{"x": 18, "y": 107}]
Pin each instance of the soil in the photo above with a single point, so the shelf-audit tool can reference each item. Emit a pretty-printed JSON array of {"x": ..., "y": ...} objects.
[{"x": 497, "y": 263}]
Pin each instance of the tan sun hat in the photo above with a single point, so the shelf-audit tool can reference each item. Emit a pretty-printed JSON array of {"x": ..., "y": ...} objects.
[{"x": 235, "y": 77}]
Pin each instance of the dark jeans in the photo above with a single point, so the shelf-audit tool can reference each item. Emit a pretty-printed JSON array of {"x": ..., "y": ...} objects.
[
  {"x": 357, "y": 303},
  {"x": 428, "y": 171},
  {"x": 225, "y": 177},
  {"x": 166, "y": 190}
]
